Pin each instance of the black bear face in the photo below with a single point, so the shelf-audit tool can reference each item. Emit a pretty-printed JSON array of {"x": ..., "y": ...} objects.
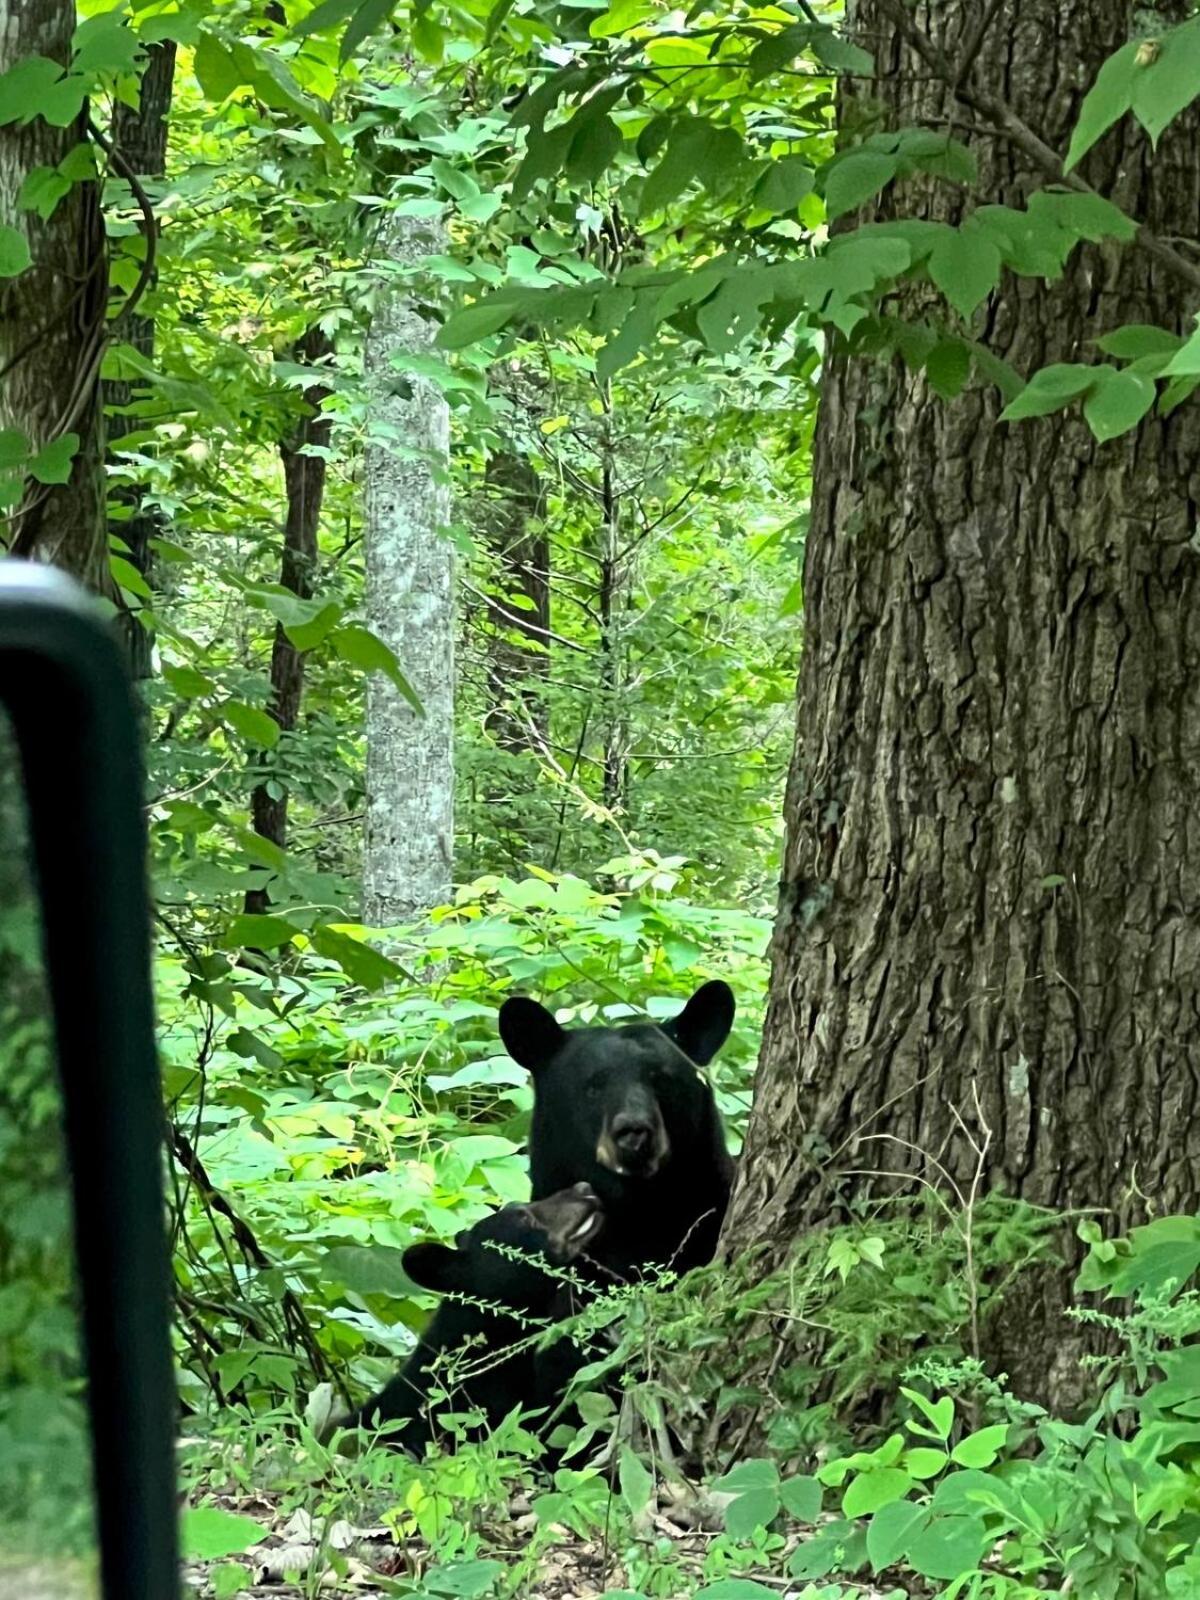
[
  {"x": 617, "y": 1102},
  {"x": 555, "y": 1230}
]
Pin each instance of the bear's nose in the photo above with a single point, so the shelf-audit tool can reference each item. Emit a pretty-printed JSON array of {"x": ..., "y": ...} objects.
[
  {"x": 584, "y": 1191},
  {"x": 631, "y": 1134}
]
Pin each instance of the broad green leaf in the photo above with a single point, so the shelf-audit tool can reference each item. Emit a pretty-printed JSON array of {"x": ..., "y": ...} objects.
[
  {"x": 368, "y": 1269},
  {"x": 364, "y": 649},
  {"x": 14, "y": 448},
  {"x": 25, "y": 88},
  {"x": 128, "y": 576},
  {"x": 784, "y": 184},
  {"x": 1090, "y": 216},
  {"x": 1109, "y": 98},
  {"x": 214, "y": 67},
  {"x": 840, "y": 54},
  {"x": 736, "y": 1589},
  {"x": 361, "y": 962},
  {"x": 871, "y": 1490},
  {"x": 1166, "y": 77},
  {"x": 801, "y": 1497},
  {"x": 186, "y": 681},
  {"x": 778, "y": 50},
  {"x": 695, "y": 150},
  {"x": 756, "y": 1508},
  {"x": 14, "y": 252},
  {"x": 593, "y": 150},
  {"x": 948, "y": 367},
  {"x": 856, "y": 178},
  {"x": 1050, "y": 390},
  {"x": 43, "y": 188},
  {"x": 476, "y": 322},
  {"x": 980, "y": 1449},
  {"x": 1185, "y": 363},
  {"x": 1117, "y": 402},
  {"x": 922, "y": 1462},
  {"x": 1171, "y": 1260},
  {"x": 251, "y": 932},
  {"x": 53, "y": 462},
  {"x": 329, "y": 14},
  {"x": 965, "y": 265},
  {"x": 254, "y": 725},
  {"x": 938, "y": 1413},
  {"x": 757, "y": 1473},
  {"x": 368, "y": 19},
  {"x": 1139, "y": 339},
  {"x": 104, "y": 43},
  {"x": 891, "y": 1528},
  {"x": 947, "y": 1547},
  {"x": 207, "y": 1533},
  {"x": 637, "y": 1485}
]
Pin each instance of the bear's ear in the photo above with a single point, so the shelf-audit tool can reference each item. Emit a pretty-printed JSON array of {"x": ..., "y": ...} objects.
[
  {"x": 530, "y": 1034},
  {"x": 433, "y": 1266},
  {"x": 703, "y": 1025}
]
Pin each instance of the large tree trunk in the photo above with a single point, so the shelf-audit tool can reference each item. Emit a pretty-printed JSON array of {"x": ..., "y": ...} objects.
[
  {"x": 52, "y": 316},
  {"x": 409, "y": 853},
  {"x": 991, "y": 886},
  {"x": 304, "y": 481},
  {"x": 139, "y": 140}
]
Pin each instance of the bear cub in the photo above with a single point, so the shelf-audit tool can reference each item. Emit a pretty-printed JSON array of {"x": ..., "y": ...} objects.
[
  {"x": 555, "y": 1229},
  {"x": 626, "y": 1110}
]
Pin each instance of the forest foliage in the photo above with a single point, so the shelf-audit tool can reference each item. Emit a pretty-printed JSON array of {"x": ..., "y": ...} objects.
[{"x": 652, "y": 245}]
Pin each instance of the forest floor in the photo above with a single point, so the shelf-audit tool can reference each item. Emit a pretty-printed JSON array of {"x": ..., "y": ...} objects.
[{"x": 366, "y": 1562}]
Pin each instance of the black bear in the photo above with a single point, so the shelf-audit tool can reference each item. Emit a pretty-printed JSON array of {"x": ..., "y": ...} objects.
[
  {"x": 556, "y": 1229},
  {"x": 626, "y": 1110}
]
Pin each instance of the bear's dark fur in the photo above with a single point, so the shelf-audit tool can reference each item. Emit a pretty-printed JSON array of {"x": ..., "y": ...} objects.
[
  {"x": 625, "y": 1110},
  {"x": 556, "y": 1228}
]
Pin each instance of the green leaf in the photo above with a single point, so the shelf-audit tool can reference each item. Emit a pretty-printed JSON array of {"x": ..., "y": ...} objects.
[
  {"x": 939, "y": 1413},
  {"x": 329, "y": 14},
  {"x": 1171, "y": 1260},
  {"x": 43, "y": 188},
  {"x": 891, "y": 1528},
  {"x": 25, "y": 88},
  {"x": 214, "y": 67},
  {"x": 104, "y": 43},
  {"x": 965, "y": 265},
  {"x": 186, "y": 681},
  {"x": 695, "y": 149},
  {"x": 14, "y": 252},
  {"x": 1117, "y": 402},
  {"x": 361, "y": 648},
  {"x": 476, "y": 322},
  {"x": 757, "y": 1473},
  {"x": 368, "y": 19},
  {"x": 207, "y": 1533},
  {"x": 871, "y": 1490},
  {"x": 840, "y": 54},
  {"x": 948, "y": 367},
  {"x": 801, "y": 1497},
  {"x": 755, "y": 1509},
  {"x": 784, "y": 184},
  {"x": 637, "y": 1485},
  {"x": 856, "y": 178},
  {"x": 923, "y": 1462},
  {"x": 361, "y": 962},
  {"x": 980, "y": 1449},
  {"x": 1089, "y": 216},
  {"x": 229, "y": 1579},
  {"x": 127, "y": 575},
  {"x": 368, "y": 1269},
  {"x": 1050, "y": 390},
  {"x": 1139, "y": 339},
  {"x": 251, "y": 932},
  {"x": 947, "y": 1547},
  {"x": 52, "y": 464},
  {"x": 1109, "y": 98},
  {"x": 778, "y": 50},
  {"x": 1166, "y": 84},
  {"x": 255, "y": 726},
  {"x": 14, "y": 449},
  {"x": 1185, "y": 363}
]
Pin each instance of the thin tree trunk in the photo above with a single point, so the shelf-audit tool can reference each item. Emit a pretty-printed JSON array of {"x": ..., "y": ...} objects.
[
  {"x": 52, "y": 325},
  {"x": 615, "y": 576},
  {"x": 409, "y": 853},
  {"x": 518, "y": 646},
  {"x": 991, "y": 893},
  {"x": 304, "y": 479},
  {"x": 139, "y": 139}
]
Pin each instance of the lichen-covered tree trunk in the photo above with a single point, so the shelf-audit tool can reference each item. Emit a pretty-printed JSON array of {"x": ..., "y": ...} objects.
[
  {"x": 410, "y": 603},
  {"x": 139, "y": 140},
  {"x": 52, "y": 327},
  {"x": 992, "y": 875}
]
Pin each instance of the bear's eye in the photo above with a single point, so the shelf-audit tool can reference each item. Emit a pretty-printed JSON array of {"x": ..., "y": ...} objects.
[{"x": 594, "y": 1085}]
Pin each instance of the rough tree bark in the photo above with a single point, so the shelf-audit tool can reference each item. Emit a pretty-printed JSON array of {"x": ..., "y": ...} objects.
[
  {"x": 52, "y": 326},
  {"x": 409, "y": 853},
  {"x": 992, "y": 880},
  {"x": 304, "y": 481},
  {"x": 139, "y": 141}
]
